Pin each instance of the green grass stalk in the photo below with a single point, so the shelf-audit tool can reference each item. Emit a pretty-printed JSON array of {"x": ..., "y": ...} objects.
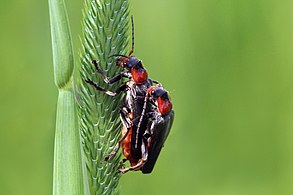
[{"x": 68, "y": 167}]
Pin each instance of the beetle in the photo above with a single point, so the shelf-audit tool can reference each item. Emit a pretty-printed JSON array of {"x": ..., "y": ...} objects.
[
  {"x": 135, "y": 89},
  {"x": 140, "y": 112},
  {"x": 160, "y": 120},
  {"x": 152, "y": 125}
]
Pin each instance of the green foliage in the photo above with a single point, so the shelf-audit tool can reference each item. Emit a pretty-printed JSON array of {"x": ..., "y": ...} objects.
[
  {"x": 61, "y": 42},
  {"x": 228, "y": 68},
  {"x": 68, "y": 174},
  {"x": 105, "y": 32},
  {"x": 105, "y": 26}
]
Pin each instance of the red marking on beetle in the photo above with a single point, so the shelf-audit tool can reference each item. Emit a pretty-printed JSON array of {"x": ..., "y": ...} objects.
[
  {"x": 139, "y": 75},
  {"x": 126, "y": 146},
  {"x": 164, "y": 105}
]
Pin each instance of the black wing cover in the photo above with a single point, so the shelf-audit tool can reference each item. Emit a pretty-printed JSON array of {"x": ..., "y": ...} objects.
[{"x": 161, "y": 127}]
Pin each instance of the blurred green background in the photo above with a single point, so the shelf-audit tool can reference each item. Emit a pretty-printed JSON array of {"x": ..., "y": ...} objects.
[{"x": 227, "y": 64}]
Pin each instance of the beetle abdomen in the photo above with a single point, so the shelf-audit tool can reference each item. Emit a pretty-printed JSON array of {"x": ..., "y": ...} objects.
[{"x": 126, "y": 146}]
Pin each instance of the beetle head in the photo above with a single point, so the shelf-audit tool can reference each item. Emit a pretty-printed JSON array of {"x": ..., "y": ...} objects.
[
  {"x": 132, "y": 62},
  {"x": 127, "y": 62},
  {"x": 159, "y": 92},
  {"x": 160, "y": 96}
]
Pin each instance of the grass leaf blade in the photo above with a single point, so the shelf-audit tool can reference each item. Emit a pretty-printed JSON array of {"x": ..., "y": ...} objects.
[{"x": 68, "y": 178}]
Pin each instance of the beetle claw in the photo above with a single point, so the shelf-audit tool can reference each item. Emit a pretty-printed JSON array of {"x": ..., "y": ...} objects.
[
  {"x": 122, "y": 171},
  {"x": 121, "y": 166},
  {"x": 107, "y": 157}
]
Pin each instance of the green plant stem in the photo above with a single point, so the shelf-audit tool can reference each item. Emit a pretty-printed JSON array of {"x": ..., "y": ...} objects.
[
  {"x": 68, "y": 167},
  {"x": 68, "y": 178}
]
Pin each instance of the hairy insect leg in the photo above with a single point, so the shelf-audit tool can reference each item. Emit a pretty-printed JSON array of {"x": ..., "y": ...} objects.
[
  {"x": 105, "y": 78},
  {"x": 121, "y": 164},
  {"x": 125, "y": 117},
  {"x": 141, "y": 162},
  {"x": 123, "y": 87}
]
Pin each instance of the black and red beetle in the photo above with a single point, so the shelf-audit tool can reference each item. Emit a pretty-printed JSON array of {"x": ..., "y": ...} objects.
[
  {"x": 146, "y": 112},
  {"x": 155, "y": 133}
]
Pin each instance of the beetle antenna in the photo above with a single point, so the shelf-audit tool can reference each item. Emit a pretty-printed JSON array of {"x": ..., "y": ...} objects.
[
  {"x": 132, "y": 48},
  {"x": 132, "y": 30}
]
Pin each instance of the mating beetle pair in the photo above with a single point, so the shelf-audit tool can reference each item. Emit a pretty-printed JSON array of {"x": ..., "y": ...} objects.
[{"x": 146, "y": 112}]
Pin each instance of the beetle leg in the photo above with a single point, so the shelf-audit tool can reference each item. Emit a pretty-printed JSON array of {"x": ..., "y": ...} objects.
[
  {"x": 123, "y": 87},
  {"x": 152, "y": 127},
  {"x": 142, "y": 161},
  {"x": 121, "y": 165},
  {"x": 106, "y": 79},
  {"x": 124, "y": 116},
  {"x": 148, "y": 132},
  {"x": 118, "y": 77},
  {"x": 113, "y": 153}
]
